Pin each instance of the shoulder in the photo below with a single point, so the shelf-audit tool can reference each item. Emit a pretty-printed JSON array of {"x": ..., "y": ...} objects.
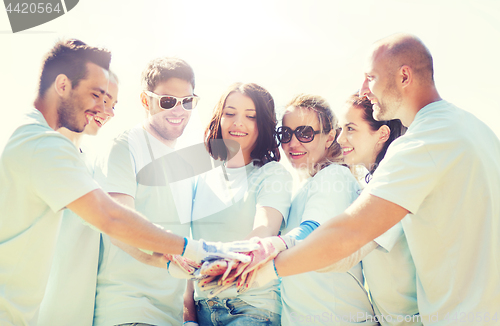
[{"x": 334, "y": 172}]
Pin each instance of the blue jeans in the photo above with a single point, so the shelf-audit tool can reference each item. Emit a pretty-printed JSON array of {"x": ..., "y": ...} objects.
[{"x": 233, "y": 312}]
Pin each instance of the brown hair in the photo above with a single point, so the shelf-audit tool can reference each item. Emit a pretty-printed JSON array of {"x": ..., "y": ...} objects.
[{"x": 266, "y": 149}]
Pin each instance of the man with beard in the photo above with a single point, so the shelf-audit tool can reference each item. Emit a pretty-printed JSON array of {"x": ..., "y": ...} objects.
[
  {"x": 41, "y": 173},
  {"x": 443, "y": 175},
  {"x": 129, "y": 292}
]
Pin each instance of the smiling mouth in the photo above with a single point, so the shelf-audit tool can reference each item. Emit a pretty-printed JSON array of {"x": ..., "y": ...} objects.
[
  {"x": 99, "y": 121},
  {"x": 237, "y": 133},
  {"x": 297, "y": 154},
  {"x": 347, "y": 150},
  {"x": 175, "y": 121},
  {"x": 89, "y": 117}
]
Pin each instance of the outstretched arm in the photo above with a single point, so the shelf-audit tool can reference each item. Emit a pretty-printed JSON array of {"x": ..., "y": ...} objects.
[
  {"x": 367, "y": 218},
  {"x": 125, "y": 224}
]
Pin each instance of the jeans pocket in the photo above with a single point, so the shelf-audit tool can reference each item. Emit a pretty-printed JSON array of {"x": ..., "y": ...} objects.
[{"x": 238, "y": 307}]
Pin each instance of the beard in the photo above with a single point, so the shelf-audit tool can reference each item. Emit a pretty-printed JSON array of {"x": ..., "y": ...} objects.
[
  {"x": 389, "y": 104},
  {"x": 68, "y": 114}
]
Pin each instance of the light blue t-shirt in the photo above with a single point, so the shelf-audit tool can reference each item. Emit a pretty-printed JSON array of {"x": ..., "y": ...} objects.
[
  {"x": 128, "y": 291},
  {"x": 40, "y": 173},
  {"x": 325, "y": 298},
  {"x": 224, "y": 210},
  {"x": 446, "y": 172},
  {"x": 70, "y": 295},
  {"x": 390, "y": 274}
]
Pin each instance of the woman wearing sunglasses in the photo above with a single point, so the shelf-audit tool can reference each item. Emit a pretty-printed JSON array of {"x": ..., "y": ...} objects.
[
  {"x": 247, "y": 195},
  {"x": 389, "y": 268},
  {"x": 307, "y": 137}
]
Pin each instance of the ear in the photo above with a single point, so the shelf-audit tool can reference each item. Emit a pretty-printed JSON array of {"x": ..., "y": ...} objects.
[
  {"x": 330, "y": 138},
  {"x": 406, "y": 75},
  {"x": 384, "y": 133},
  {"x": 145, "y": 101},
  {"x": 62, "y": 85}
]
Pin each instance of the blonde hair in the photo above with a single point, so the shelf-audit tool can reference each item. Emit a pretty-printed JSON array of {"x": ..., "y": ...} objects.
[{"x": 328, "y": 121}]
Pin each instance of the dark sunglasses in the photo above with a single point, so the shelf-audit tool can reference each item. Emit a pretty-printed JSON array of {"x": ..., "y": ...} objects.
[
  {"x": 304, "y": 134},
  {"x": 168, "y": 102}
]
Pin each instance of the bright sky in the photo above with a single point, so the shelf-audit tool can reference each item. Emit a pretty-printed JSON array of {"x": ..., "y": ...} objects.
[{"x": 286, "y": 46}]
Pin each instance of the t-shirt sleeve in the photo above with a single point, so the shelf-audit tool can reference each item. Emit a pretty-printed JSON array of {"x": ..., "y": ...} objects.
[
  {"x": 58, "y": 175},
  {"x": 330, "y": 192},
  {"x": 388, "y": 239},
  {"x": 405, "y": 176},
  {"x": 115, "y": 169},
  {"x": 275, "y": 189}
]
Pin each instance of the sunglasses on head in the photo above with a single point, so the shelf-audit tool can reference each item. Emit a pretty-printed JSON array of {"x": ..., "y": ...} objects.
[
  {"x": 304, "y": 134},
  {"x": 168, "y": 102}
]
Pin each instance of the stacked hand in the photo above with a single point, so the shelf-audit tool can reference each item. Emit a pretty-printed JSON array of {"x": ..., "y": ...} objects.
[{"x": 223, "y": 269}]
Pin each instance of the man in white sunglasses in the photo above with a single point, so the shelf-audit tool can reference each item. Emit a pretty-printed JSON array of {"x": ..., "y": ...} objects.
[
  {"x": 41, "y": 173},
  {"x": 128, "y": 291}
]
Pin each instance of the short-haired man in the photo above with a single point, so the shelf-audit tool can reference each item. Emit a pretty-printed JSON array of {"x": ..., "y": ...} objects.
[
  {"x": 41, "y": 173},
  {"x": 444, "y": 173},
  {"x": 70, "y": 295},
  {"x": 129, "y": 292}
]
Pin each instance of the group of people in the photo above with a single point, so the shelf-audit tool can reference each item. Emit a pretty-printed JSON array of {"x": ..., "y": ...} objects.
[{"x": 412, "y": 240}]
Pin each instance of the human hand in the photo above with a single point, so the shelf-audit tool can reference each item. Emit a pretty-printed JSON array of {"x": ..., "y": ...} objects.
[
  {"x": 258, "y": 277},
  {"x": 181, "y": 267},
  {"x": 200, "y": 250}
]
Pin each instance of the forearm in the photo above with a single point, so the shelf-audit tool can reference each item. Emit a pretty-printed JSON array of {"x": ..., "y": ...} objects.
[
  {"x": 323, "y": 247},
  {"x": 125, "y": 224},
  {"x": 155, "y": 259},
  {"x": 345, "y": 264},
  {"x": 267, "y": 222},
  {"x": 189, "y": 313},
  {"x": 367, "y": 218}
]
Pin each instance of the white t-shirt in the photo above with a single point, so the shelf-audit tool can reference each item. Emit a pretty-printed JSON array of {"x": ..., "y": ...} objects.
[
  {"x": 40, "y": 173},
  {"x": 129, "y": 291},
  {"x": 70, "y": 295},
  {"x": 325, "y": 298},
  {"x": 224, "y": 210},
  {"x": 446, "y": 172}
]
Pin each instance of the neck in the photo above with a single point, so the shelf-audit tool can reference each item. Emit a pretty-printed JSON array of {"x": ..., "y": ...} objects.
[
  {"x": 152, "y": 131},
  {"x": 75, "y": 137},
  {"x": 48, "y": 111},
  {"x": 418, "y": 102},
  {"x": 237, "y": 160}
]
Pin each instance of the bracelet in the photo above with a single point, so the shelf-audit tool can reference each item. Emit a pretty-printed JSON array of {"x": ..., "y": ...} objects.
[
  {"x": 274, "y": 265},
  {"x": 185, "y": 245},
  {"x": 279, "y": 236},
  {"x": 190, "y": 322}
]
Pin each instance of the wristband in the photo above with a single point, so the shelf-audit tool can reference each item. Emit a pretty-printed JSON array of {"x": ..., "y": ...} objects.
[
  {"x": 274, "y": 265},
  {"x": 185, "y": 245},
  {"x": 279, "y": 236}
]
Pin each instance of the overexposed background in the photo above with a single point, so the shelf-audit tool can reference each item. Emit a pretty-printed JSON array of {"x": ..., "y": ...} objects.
[{"x": 288, "y": 47}]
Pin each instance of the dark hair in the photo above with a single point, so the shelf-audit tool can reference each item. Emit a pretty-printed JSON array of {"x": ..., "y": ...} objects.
[
  {"x": 266, "y": 149},
  {"x": 396, "y": 127},
  {"x": 162, "y": 69},
  {"x": 328, "y": 121},
  {"x": 70, "y": 58}
]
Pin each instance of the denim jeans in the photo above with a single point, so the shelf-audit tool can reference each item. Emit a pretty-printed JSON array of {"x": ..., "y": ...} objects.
[{"x": 233, "y": 312}]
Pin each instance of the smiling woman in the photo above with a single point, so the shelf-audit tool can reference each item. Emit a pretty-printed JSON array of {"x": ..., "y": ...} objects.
[{"x": 247, "y": 196}]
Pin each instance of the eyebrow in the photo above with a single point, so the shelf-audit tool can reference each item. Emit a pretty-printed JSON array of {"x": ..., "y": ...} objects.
[
  {"x": 109, "y": 95},
  {"x": 232, "y": 107},
  {"x": 350, "y": 123},
  {"x": 100, "y": 90}
]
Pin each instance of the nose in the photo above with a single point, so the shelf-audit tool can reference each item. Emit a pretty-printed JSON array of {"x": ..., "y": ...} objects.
[
  {"x": 341, "y": 139},
  {"x": 177, "y": 109},
  {"x": 364, "y": 91},
  {"x": 294, "y": 142},
  {"x": 100, "y": 105},
  {"x": 108, "y": 109},
  {"x": 237, "y": 121}
]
